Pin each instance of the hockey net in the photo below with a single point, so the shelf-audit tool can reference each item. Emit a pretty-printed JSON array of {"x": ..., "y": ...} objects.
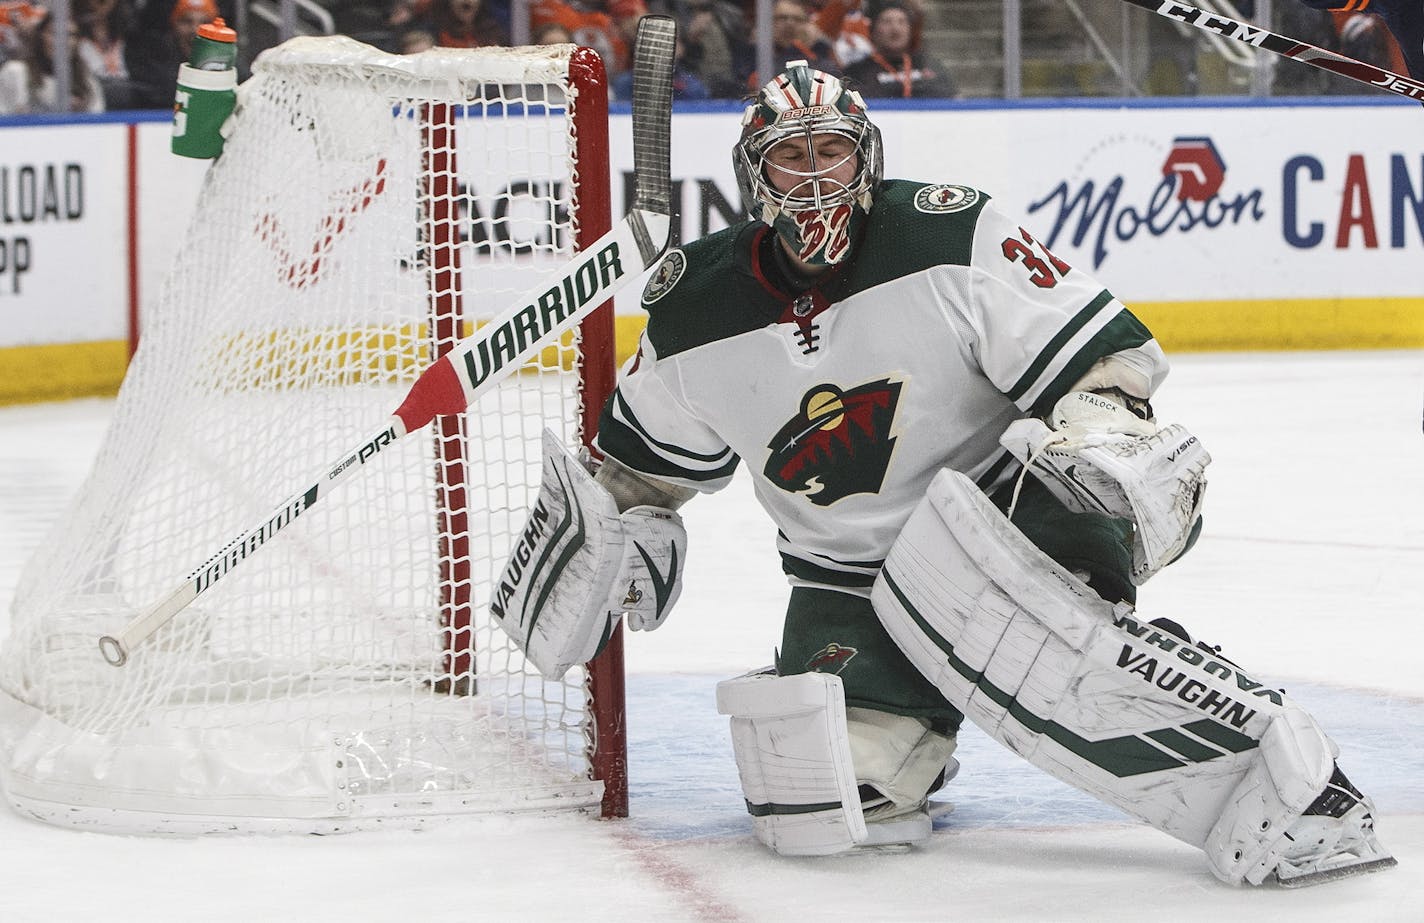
[{"x": 368, "y": 210}]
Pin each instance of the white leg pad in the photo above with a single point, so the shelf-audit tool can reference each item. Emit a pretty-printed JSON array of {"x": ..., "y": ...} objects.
[
  {"x": 793, "y": 754},
  {"x": 1160, "y": 728}
]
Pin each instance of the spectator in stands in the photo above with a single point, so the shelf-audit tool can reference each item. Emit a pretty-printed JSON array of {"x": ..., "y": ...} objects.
[
  {"x": 625, "y": 15},
  {"x": 1405, "y": 19},
  {"x": 718, "y": 45},
  {"x": 17, "y": 19},
  {"x": 794, "y": 37},
  {"x": 685, "y": 84},
  {"x": 893, "y": 68},
  {"x": 1367, "y": 38},
  {"x": 27, "y": 83},
  {"x": 847, "y": 26},
  {"x": 403, "y": 13},
  {"x": 415, "y": 40},
  {"x": 591, "y": 24},
  {"x": 153, "y": 60},
  {"x": 551, "y": 33},
  {"x": 464, "y": 24},
  {"x": 103, "y": 30}
]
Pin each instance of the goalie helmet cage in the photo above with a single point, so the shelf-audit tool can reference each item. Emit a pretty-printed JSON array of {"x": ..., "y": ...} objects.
[{"x": 369, "y": 209}]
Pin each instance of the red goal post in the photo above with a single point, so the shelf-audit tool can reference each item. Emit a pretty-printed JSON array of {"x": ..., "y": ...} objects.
[{"x": 368, "y": 211}]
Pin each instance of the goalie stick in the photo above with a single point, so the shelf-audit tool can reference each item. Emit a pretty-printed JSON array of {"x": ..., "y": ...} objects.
[
  {"x": 1286, "y": 47},
  {"x": 480, "y": 361}
]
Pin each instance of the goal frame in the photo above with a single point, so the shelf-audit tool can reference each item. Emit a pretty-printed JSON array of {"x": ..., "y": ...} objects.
[
  {"x": 593, "y": 217},
  {"x": 588, "y": 197},
  {"x": 608, "y": 754}
]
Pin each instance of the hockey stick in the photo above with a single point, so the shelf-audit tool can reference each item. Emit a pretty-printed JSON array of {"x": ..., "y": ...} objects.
[
  {"x": 1286, "y": 47},
  {"x": 480, "y": 361}
]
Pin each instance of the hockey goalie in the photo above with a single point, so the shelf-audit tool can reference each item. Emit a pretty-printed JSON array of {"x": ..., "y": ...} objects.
[{"x": 952, "y": 432}]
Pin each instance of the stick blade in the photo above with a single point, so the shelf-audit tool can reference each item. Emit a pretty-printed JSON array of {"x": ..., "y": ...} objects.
[{"x": 653, "y": 53}]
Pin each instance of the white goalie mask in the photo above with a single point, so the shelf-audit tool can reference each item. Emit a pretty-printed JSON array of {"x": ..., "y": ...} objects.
[{"x": 819, "y": 216}]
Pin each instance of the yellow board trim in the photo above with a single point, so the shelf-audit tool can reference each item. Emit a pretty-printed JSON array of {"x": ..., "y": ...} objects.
[
  {"x": 69, "y": 370},
  {"x": 627, "y": 328},
  {"x": 62, "y": 371},
  {"x": 1309, "y": 323}
]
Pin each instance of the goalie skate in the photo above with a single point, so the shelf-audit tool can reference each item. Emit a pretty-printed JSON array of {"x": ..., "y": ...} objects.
[
  {"x": 1334, "y": 838},
  {"x": 891, "y": 827}
]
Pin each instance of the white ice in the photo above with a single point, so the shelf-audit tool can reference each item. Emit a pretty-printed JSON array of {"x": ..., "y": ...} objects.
[{"x": 1310, "y": 572}]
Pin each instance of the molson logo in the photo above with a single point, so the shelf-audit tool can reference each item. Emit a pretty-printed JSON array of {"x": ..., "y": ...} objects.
[
  {"x": 1190, "y": 194},
  {"x": 1333, "y": 201}
]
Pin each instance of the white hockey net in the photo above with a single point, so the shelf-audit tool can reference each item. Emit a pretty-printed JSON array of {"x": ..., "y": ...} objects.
[{"x": 366, "y": 207}]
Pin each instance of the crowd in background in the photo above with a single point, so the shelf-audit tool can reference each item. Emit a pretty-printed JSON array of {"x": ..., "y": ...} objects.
[
  {"x": 880, "y": 39},
  {"x": 124, "y": 54}
]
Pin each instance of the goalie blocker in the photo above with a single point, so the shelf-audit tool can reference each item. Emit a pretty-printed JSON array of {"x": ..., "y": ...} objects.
[
  {"x": 1134, "y": 714},
  {"x": 579, "y": 565}
]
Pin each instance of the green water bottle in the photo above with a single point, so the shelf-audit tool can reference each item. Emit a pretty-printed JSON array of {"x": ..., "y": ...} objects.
[{"x": 207, "y": 91}]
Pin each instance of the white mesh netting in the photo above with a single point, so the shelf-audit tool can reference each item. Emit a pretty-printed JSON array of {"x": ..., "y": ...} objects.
[{"x": 313, "y": 688}]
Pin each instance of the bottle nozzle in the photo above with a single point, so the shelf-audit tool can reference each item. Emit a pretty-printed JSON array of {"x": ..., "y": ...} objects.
[{"x": 217, "y": 31}]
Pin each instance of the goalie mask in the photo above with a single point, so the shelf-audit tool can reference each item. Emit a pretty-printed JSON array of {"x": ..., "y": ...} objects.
[{"x": 823, "y": 209}]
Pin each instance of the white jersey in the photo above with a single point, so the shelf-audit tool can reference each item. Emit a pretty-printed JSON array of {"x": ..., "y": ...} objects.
[{"x": 845, "y": 399}]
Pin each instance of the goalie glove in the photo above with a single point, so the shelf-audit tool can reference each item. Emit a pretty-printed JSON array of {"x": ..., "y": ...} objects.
[
  {"x": 578, "y": 565},
  {"x": 651, "y": 577},
  {"x": 1098, "y": 457}
]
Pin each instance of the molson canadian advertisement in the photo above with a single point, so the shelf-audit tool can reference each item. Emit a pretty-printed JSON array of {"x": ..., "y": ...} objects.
[{"x": 1224, "y": 226}]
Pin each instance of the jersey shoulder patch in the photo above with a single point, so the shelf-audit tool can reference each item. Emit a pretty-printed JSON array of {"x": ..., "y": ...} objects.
[
  {"x": 945, "y": 197},
  {"x": 917, "y": 226},
  {"x": 690, "y": 272},
  {"x": 668, "y": 273},
  {"x": 908, "y": 196},
  {"x": 701, "y": 292}
]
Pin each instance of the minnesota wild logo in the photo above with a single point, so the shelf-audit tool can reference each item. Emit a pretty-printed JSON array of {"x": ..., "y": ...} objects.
[
  {"x": 667, "y": 274},
  {"x": 831, "y": 659},
  {"x": 838, "y": 444},
  {"x": 945, "y": 197}
]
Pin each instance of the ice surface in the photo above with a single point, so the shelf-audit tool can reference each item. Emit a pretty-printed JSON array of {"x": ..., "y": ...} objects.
[{"x": 1311, "y": 572}]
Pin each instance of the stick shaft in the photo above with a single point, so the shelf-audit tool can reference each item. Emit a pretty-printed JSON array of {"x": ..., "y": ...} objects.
[
  {"x": 480, "y": 361},
  {"x": 475, "y": 366},
  {"x": 1303, "y": 52}
]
